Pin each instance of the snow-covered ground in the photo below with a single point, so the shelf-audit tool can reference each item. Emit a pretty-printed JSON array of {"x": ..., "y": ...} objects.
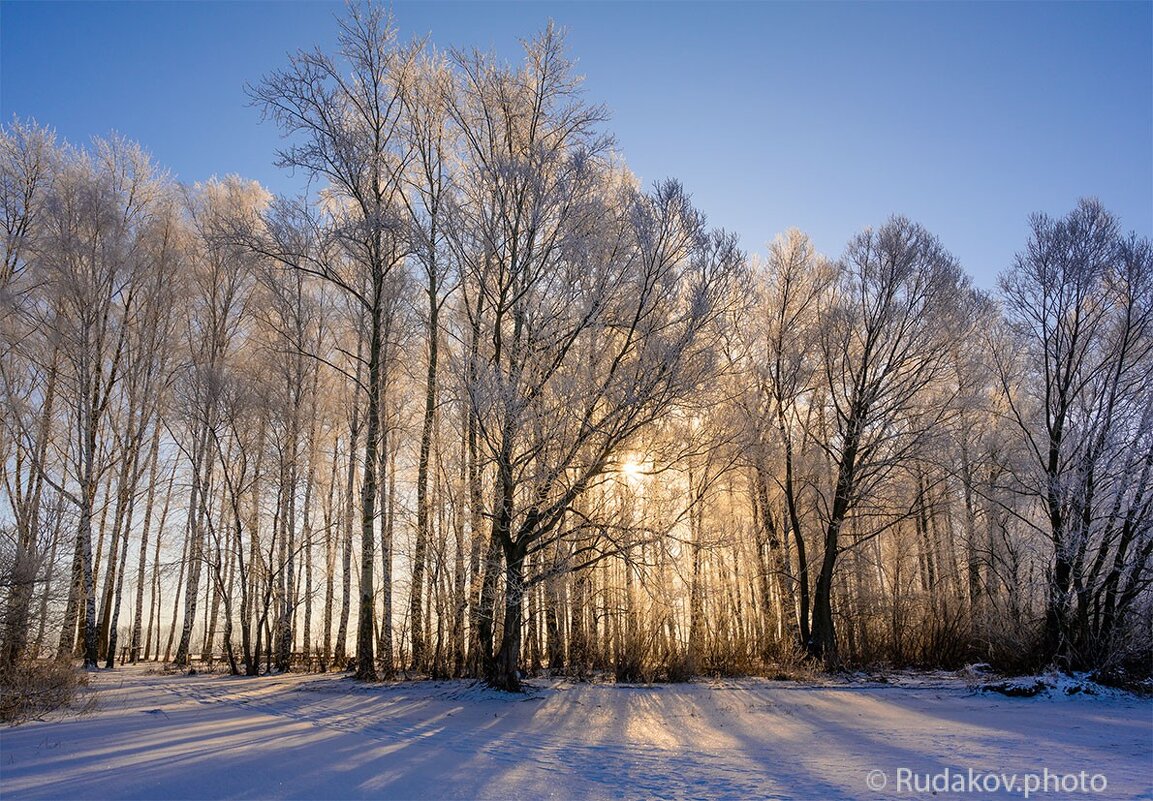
[{"x": 305, "y": 736}]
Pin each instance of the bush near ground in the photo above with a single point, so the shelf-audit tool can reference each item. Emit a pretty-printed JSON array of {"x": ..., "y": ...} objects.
[{"x": 31, "y": 689}]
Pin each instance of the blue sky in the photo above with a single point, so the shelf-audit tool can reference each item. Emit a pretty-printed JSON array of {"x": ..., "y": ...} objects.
[{"x": 828, "y": 117}]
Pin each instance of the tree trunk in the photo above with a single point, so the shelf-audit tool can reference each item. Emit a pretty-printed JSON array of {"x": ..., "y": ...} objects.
[
  {"x": 134, "y": 644},
  {"x": 823, "y": 637},
  {"x": 505, "y": 674},
  {"x": 75, "y": 598},
  {"x": 114, "y": 622},
  {"x": 175, "y": 602},
  {"x": 201, "y": 471},
  {"x": 365, "y": 657},
  {"x": 459, "y": 593},
  {"x": 387, "y": 465},
  {"x": 423, "y": 518},
  {"x": 329, "y": 559},
  {"x": 341, "y": 647}
]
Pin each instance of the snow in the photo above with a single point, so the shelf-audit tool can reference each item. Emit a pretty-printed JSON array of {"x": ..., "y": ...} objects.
[{"x": 325, "y": 736}]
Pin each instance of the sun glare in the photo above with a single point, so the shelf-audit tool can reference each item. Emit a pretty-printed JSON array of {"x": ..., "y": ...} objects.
[{"x": 633, "y": 470}]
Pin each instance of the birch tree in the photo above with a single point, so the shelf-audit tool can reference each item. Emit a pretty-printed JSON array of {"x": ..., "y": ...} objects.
[
  {"x": 220, "y": 285},
  {"x": 93, "y": 253},
  {"x": 28, "y": 375},
  {"x": 428, "y": 183},
  {"x": 344, "y": 116}
]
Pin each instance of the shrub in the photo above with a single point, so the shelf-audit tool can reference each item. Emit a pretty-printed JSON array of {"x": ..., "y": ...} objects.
[
  {"x": 678, "y": 666},
  {"x": 33, "y": 688},
  {"x": 787, "y": 661}
]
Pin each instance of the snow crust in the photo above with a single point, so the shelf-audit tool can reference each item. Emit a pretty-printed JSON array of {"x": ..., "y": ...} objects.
[{"x": 307, "y": 736}]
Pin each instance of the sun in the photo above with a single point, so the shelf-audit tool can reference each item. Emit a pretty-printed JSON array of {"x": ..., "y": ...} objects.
[{"x": 634, "y": 470}]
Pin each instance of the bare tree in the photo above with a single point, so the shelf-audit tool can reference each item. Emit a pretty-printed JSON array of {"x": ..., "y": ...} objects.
[
  {"x": 94, "y": 253},
  {"x": 795, "y": 287},
  {"x": 348, "y": 132},
  {"x": 147, "y": 378},
  {"x": 1077, "y": 387},
  {"x": 598, "y": 303},
  {"x": 884, "y": 345},
  {"x": 221, "y": 283},
  {"x": 428, "y": 181},
  {"x": 28, "y": 372}
]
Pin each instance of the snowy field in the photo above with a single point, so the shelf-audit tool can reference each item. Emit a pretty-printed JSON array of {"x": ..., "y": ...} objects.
[{"x": 176, "y": 737}]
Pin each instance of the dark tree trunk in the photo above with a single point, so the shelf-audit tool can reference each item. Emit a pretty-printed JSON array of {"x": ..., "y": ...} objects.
[
  {"x": 822, "y": 642},
  {"x": 505, "y": 673},
  {"x": 365, "y": 657}
]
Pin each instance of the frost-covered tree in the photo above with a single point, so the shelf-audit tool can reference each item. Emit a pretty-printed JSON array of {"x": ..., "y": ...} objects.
[
  {"x": 219, "y": 288},
  {"x": 595, "y": 306},
  {"x": 884, "y": 348},
  {"x": 101, "y": 251},
  {"x": 427, "y": 197},
  {"x": 28, "y": 371},
  {"x": 344, "y": 116},
  {"x": 792, "y": 287},
  {"x": 1078, "y": 387}
]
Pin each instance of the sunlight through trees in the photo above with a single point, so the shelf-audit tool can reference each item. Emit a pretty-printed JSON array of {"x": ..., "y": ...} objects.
[{"x": 510, "y": 411}]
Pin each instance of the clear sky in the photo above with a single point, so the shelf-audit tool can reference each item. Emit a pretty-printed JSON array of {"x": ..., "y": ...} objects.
[{"x": 825, "y": 116}]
